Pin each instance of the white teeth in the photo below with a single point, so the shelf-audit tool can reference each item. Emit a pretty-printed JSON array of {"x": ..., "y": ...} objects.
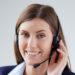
[{"x": 32, "y": 53}]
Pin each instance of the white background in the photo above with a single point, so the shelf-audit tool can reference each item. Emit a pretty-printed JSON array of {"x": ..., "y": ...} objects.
[{"x": 9, "y": 13}]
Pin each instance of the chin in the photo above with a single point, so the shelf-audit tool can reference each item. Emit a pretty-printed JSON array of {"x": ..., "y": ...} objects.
[{"x": 31, "y": 62}]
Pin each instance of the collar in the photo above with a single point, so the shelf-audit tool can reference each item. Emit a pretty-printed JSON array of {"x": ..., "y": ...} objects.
[{"x": 18, "y": 70}]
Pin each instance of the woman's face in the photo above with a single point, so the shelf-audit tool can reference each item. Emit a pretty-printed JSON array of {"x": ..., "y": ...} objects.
[{"x": 35, "y": 40}]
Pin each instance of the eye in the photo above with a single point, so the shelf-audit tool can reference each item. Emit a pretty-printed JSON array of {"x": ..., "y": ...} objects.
[
  {"x": 41, "y": 36},
  {"x": 25, "y": 34}
]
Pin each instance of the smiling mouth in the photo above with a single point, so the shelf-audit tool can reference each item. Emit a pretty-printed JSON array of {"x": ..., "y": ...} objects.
[{"x": 32, "y": 53}]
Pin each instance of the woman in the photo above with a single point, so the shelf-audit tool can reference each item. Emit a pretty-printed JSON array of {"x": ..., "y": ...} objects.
[{"x": 36, "y": 29}]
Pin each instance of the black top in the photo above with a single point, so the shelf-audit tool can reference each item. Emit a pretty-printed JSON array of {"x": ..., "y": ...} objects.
[{"x": 6, "y": 69}]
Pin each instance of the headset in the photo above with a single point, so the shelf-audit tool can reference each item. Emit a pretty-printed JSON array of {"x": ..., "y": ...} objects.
[{"x": 55, "y": 44}]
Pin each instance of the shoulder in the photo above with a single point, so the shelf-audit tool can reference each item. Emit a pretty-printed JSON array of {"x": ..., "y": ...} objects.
[
  {"x": 6, "y": 69},
  {"x": 67, "y": 72}
]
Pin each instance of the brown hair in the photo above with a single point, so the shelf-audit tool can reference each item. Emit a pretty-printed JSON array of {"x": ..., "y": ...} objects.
[{"x": 45, "y": 12}]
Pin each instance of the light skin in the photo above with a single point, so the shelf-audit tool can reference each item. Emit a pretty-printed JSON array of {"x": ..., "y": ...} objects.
[{"x": 35, "y": 42}]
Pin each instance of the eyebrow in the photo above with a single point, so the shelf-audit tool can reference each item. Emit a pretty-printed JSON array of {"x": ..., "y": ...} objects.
[
  {"x": 36, "y": 32},
  {"x": 40, "y": 31}
]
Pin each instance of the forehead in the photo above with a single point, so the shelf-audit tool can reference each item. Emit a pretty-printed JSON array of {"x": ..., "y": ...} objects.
[{"x": 35, "y": 24}]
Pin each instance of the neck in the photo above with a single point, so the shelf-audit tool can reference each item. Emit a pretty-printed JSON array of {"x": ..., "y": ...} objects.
[{"x": 41, "y": 70}]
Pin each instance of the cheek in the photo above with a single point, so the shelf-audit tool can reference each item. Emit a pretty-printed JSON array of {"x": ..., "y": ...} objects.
[
  {"x": 46, "y": 46},
  {"x": 22, "y": 46}
]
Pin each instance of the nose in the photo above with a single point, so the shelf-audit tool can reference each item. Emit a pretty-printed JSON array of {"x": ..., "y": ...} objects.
[{"x": 31, "y": 43}]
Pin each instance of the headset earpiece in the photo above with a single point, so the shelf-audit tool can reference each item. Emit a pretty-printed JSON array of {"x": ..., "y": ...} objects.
[
  {"x": 56, "y": 40},
  {"x": 16, "y": 40}
]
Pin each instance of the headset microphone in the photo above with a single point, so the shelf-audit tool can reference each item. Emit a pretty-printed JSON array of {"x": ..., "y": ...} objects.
[{"x": 37, "y": 65}]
